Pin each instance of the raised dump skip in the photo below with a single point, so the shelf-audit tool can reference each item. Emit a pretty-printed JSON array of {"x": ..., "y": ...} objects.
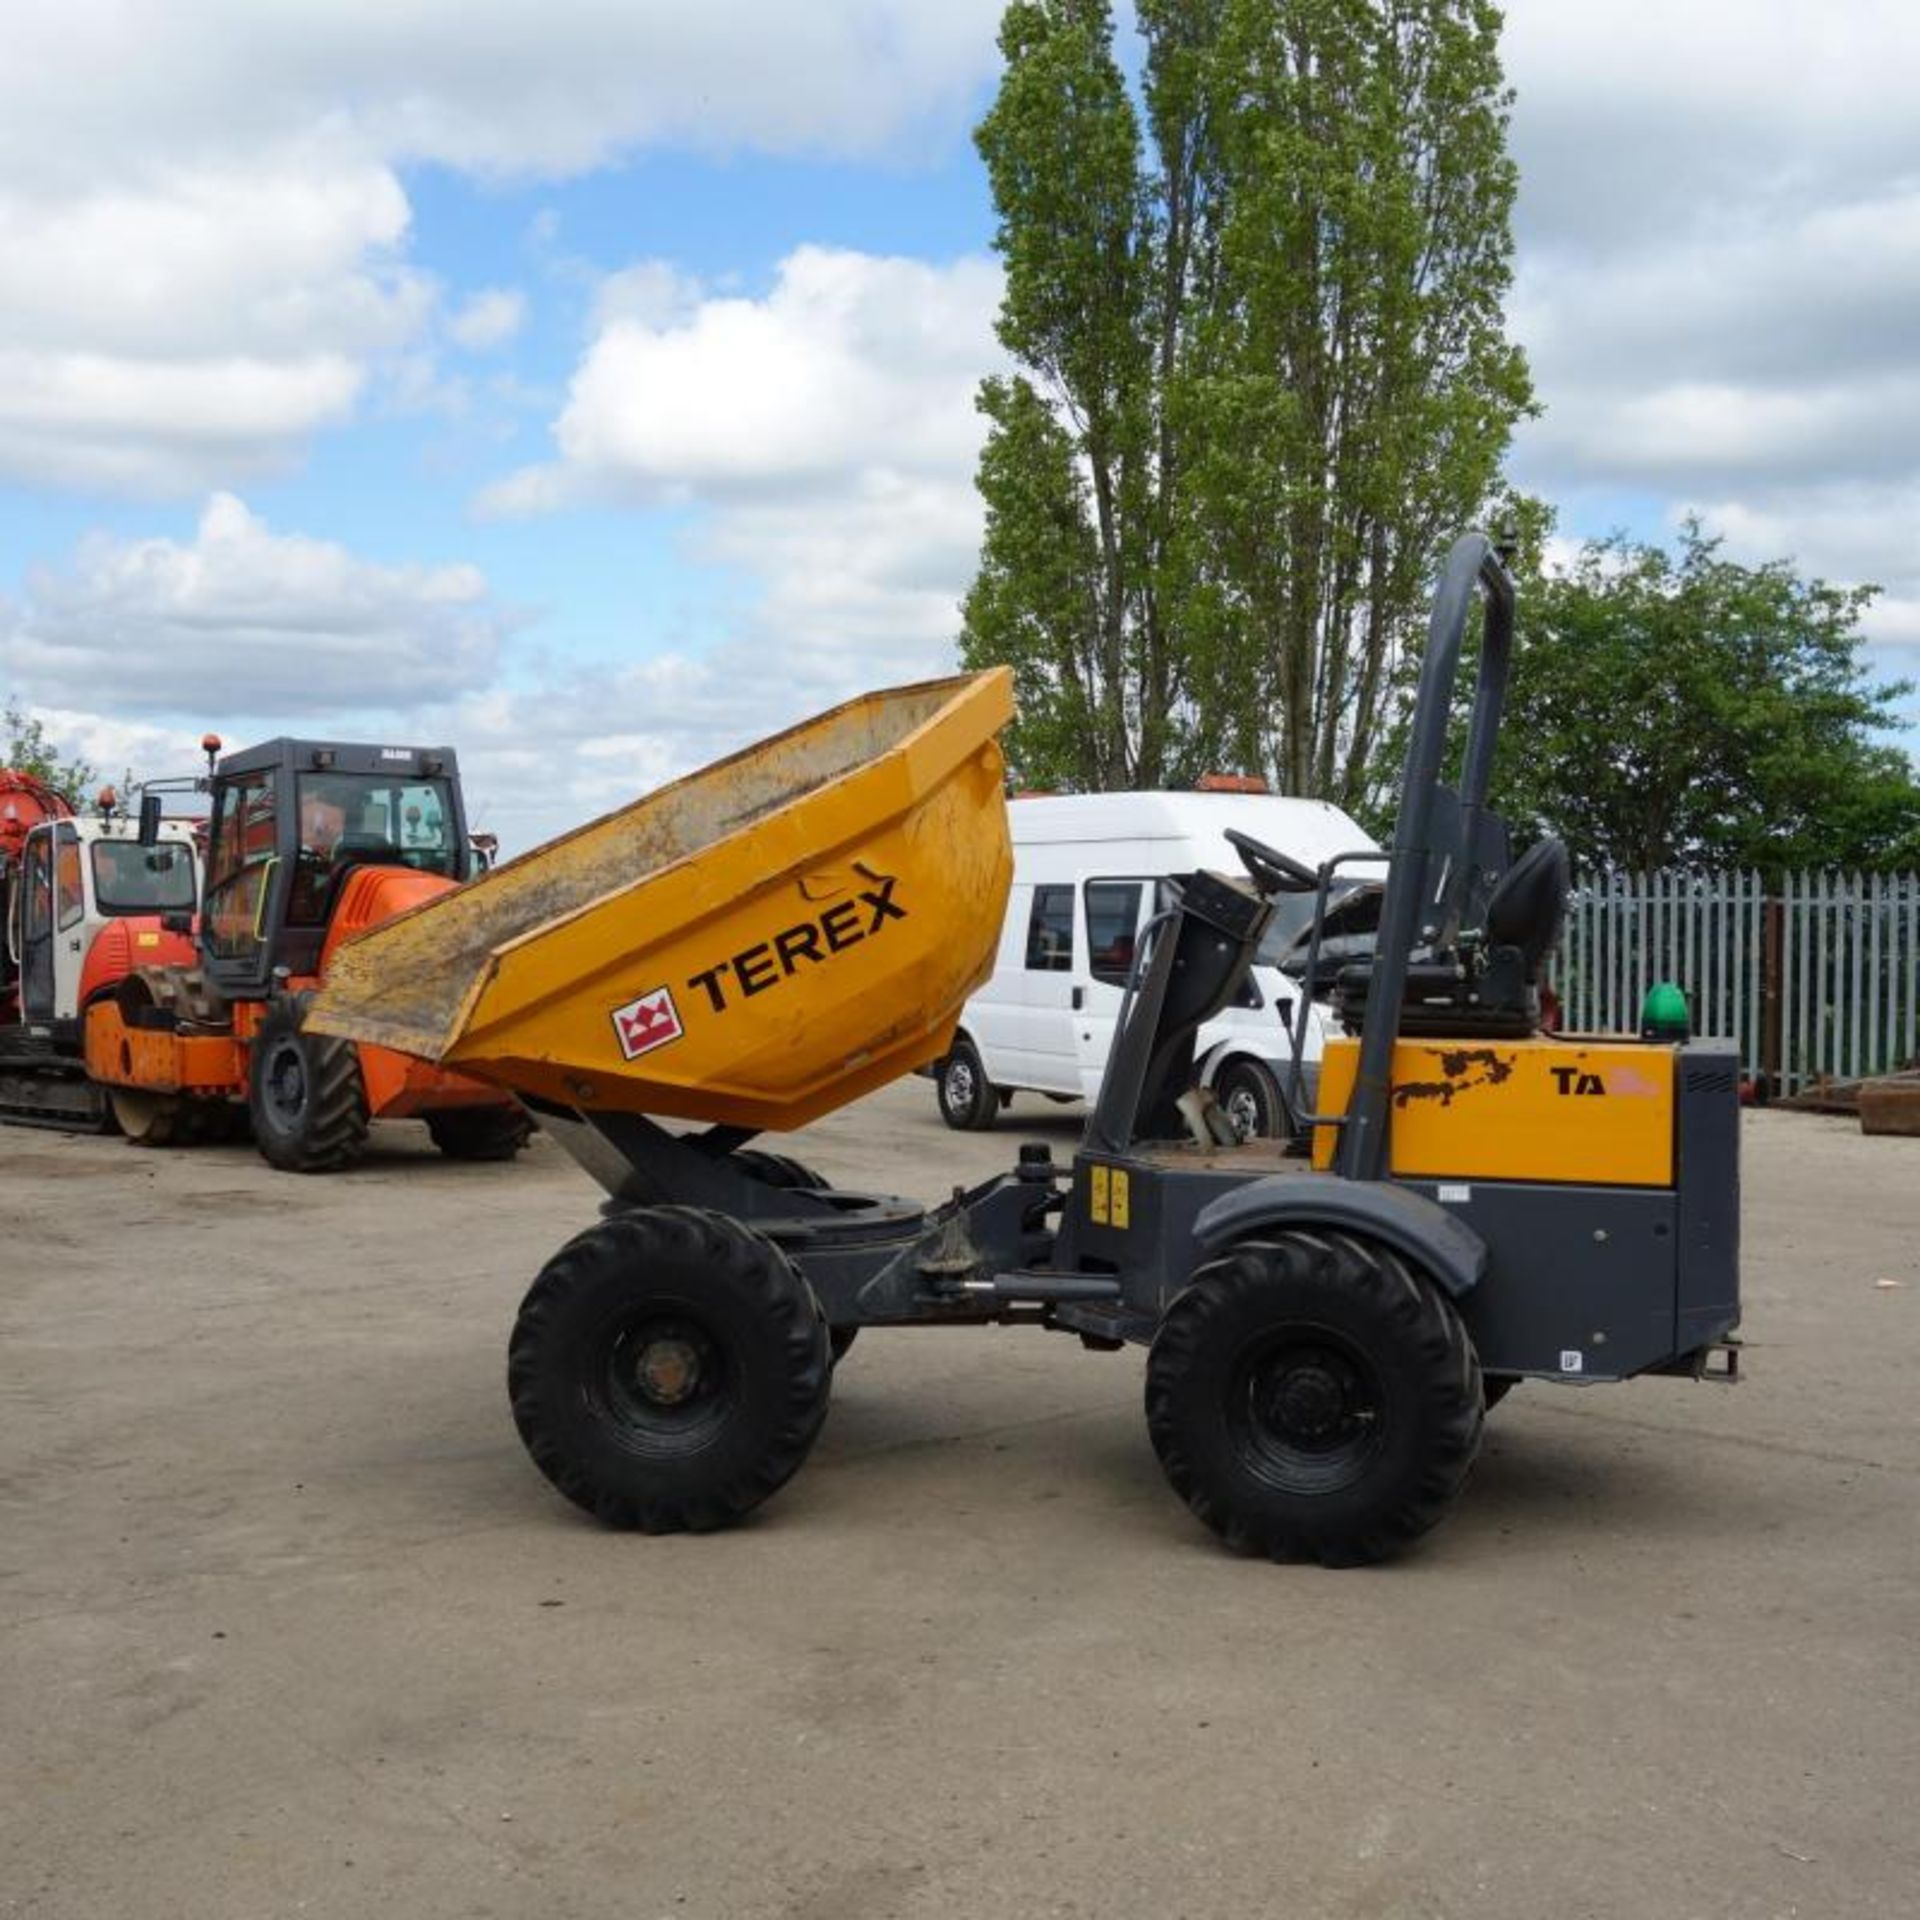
[{"x": 754, "y": 945}]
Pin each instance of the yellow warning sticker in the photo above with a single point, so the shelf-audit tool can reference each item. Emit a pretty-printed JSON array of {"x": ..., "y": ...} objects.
[
  {"x": 146, "y": 939},
  {"x": 1109, "y": 1200}
]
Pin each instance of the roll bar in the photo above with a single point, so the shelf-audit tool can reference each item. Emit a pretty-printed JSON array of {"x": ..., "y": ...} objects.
[{"x": 1474, "y": 564}]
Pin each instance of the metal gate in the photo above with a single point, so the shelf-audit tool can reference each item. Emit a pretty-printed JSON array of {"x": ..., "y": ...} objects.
[{"x": 1815, "y": 975}]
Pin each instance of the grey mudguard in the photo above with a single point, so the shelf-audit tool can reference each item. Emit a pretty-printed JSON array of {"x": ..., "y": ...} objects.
[{"x": 1408, "y": 1222}]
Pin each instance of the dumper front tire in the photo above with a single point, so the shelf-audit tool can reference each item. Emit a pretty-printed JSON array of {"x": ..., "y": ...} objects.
[
  {"x": 1312, "y": 1397},
  {"x": 669, "y": 1370},
  {"x": 779, "y": 1170},
  {"x": 305, "y": 1097}
]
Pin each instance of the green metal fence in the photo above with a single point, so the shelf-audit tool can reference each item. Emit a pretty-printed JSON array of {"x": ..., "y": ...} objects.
[{"x": 1815, "y": 974}]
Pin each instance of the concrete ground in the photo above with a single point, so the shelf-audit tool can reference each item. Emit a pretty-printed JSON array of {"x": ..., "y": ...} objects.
[{"x": 290, "y": 1625}]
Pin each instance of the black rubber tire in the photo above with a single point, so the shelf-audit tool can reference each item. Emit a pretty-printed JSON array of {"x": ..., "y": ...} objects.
[
  {"x": 480, "y": 1133},
  {"x": 697, "y": 1282},
  {"x": 305, "y": 1097},
  {"x": 1496, "y": 1387},
  {"x": 790, "y": 1175},
  {"x": 969, "y": 1102},
  {"x": 1250, "y": 1093},
  {"x": 1361, "y": 1344},
  {"x": 778, "y": 1170}
]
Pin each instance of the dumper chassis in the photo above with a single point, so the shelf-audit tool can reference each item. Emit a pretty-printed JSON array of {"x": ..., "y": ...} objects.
[{"x": 1324, "y": 1333}]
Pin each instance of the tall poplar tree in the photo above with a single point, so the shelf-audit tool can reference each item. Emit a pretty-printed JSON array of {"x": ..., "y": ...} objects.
[{"x": 1260, "y": 374}]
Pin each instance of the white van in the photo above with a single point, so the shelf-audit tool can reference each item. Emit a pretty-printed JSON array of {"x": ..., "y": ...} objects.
[{"x": 1088, "y": 873}]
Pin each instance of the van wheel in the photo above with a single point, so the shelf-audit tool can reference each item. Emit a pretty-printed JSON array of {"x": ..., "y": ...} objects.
[
  {"x": 967, "y": 1097},
  {"x": 1250, "y": 1096}
]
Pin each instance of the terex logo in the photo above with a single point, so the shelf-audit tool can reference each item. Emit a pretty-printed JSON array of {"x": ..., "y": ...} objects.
[
  {"x": 768, "y": 962},
  {"x": 648, "y": 1022}
]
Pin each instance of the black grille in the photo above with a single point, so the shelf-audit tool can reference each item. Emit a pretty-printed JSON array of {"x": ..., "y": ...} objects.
[{"x": 1711, "y": 1080}]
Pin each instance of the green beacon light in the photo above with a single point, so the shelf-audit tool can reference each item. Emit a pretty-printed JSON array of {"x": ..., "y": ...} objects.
[{"x": 1664, "y": 1015}]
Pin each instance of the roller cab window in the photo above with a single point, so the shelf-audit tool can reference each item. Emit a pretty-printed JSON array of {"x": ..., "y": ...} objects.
[
  {"x": 357, "y": 819},
  {"x": 240, "y": 865}
]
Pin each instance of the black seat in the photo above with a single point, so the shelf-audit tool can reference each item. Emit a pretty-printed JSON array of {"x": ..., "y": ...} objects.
[
  {"x": 349, "y": 851},
  {"x": 1529, "y": 906},
  {"x": 363, "y": 846},
  {"x": 1490, "y": 987}
]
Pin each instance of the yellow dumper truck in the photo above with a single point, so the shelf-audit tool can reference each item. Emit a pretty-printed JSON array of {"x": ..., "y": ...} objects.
[{"x": 1326, "y": 1320}]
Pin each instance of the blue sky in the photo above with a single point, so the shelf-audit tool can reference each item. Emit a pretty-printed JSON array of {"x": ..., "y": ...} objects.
[{"x": 582, "y": 388}]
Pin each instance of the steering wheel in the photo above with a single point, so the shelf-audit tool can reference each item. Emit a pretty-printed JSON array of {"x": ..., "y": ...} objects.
[{"x": 1271, "y": 870}]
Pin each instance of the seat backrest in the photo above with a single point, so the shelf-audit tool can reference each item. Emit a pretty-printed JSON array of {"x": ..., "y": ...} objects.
[
  {"x": 364, "y": 846},
  {"x": 1529, "y": 905}
]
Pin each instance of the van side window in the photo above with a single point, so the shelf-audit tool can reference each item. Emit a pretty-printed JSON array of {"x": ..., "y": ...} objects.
[
  {"x": 1113, "y": 925},
  {"x": 1050, "y": 931}
]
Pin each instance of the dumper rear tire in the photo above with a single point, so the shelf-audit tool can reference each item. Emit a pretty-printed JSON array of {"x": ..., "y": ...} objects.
[
  {"x": 669, "y": 1370},
  {"x": 305, "y": 1097},
  {"x": 789, "y": 1175},
  {"x": 1312, "y": 1397}
]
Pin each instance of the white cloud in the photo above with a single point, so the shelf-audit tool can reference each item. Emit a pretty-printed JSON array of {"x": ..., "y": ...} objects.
[
  {"x": 541, "y": 758},
  {"x": 652, "y": 293},
  {"x": 167, "y": 260},
  {"x": 1719, "y": 228},
  {"x": 185, "y": 324},
  {"x": 155, "y": 426},
  {"x": 851, "y": 361},
  {"x": 245, "y": 621},
  {"x": 553, "y": 89},
  {"x": 828, "y": 430},
  {"x": 201, "y": 210},
  {"x": 489, "y": 319},
  {"x": 128, "y": 652},
  {"x": 824, "y": 437},
  {"x": 1640, "y": 116}
]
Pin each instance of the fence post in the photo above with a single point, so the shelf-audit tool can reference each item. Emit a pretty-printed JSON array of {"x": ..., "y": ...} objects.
[{"x": 1772, "y": 925}]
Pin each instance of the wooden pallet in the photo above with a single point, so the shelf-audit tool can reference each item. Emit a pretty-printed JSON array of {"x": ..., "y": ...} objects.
[{"x": 1891, "y": 1105}]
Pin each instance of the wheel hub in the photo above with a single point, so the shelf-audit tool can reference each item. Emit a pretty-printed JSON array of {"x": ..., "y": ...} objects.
[
  {"x": 1307, "y": 1402},
  {"x": 668, "y": 1371},
  {"x": 959, "y": 1085},
  {"x": 287, "y": 1080}
]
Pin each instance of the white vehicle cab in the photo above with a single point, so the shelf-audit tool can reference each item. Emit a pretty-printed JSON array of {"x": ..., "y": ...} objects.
[{"x": 1089, "y": 871}]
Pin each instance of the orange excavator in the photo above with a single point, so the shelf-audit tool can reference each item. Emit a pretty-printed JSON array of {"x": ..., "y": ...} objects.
[{"x": 309, "y": 842}]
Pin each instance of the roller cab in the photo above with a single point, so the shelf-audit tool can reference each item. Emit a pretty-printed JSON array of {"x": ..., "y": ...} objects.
[{"x": 309, "y": 843}]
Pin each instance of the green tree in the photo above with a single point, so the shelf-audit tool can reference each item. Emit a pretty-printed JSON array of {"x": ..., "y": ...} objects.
[
  {"x": 1260, "y": 375},
  {"x": 1680, "y": 710},
  {"x": 25, "y": 747}
]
